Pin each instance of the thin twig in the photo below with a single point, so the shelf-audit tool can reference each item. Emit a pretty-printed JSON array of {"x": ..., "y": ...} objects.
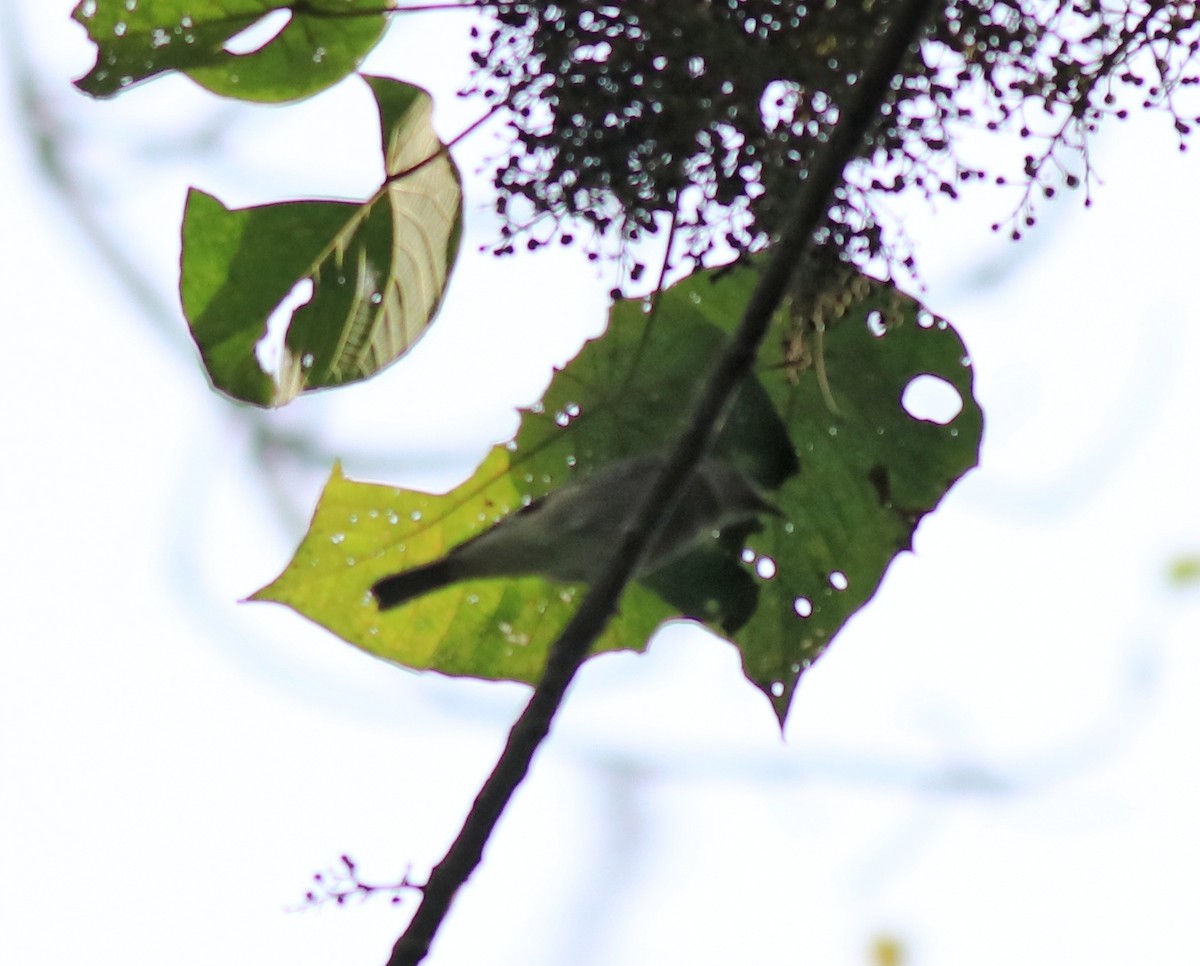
[{"x": 573, "y": 646}]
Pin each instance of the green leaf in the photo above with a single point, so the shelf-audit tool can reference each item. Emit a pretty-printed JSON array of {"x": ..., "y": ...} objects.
[
  {"x": 321, "y": 43},
  {"x": 377, "y": 270},
  {"x": 866, "y": 474}
]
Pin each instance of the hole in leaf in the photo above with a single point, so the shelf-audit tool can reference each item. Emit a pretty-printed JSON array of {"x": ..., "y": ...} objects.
[
  {"x": 258, "y": 34},
  {"x": 802, "y": 606},
  {"x": 838, "y": 580},
  {"x": 269, "y": 349},
  {"x": 931, "y": 399}
]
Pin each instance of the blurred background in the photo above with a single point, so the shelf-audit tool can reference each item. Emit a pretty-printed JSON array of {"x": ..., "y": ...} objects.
[{"x": 994, "y": 763}]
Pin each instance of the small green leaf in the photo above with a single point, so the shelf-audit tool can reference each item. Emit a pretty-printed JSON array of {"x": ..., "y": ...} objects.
[
  {"x": 321, "y": 43},
  {"x": 822, "y": 425},
  {"x": 377, "y": 270}
]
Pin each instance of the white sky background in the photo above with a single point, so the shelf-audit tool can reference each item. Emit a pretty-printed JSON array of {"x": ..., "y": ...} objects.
[{"x": 995, "y": 761}]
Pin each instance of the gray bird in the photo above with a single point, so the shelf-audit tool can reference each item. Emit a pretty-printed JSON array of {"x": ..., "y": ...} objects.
[{"x": 568, "y": 534}]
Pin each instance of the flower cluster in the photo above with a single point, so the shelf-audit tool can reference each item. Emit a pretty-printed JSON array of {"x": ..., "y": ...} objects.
[{"x": 706, "y": 114}]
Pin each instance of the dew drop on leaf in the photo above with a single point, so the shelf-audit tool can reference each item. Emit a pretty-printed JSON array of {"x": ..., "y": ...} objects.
[{"x": 765, "y": 568}]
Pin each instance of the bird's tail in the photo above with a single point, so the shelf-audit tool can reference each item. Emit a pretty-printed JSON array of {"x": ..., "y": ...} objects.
[{"x": 402, "y": 587}]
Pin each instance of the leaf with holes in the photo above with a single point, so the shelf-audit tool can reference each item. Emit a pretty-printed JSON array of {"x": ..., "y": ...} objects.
[
  {"x": 846, "y": 372},
  {"x": 314, "y": 45},
  {"x": 822, "y": 426},
  {"x": 625, "y": 393},
  {"x": 376, "y": 272}
]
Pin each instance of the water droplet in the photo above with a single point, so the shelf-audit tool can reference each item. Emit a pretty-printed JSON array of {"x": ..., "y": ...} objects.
[
  {"x": 354, "y": 518},
  {"x": 337, "y": 538},
  {"x": 562, "y": 419},
  {"x": 307, "y": 360},
  {"x": 748, "y": 555},
  {"x": 120, "y": 28},
  {"x": 415, "y": 516},
  {"x": 88, "y": 10},
  {"x": 875, "y": 323},
  {"x": 376, "y": 298},
  {"x": 130, "y": 4},
  {"x": 392, "y": 517},
  {"x": 350, "y": 561},
  {"x": 765, "y": 568},
  {"x": 777, "y": 689}
]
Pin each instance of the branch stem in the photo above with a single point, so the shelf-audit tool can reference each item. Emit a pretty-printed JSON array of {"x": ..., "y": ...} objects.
[{"x": 571, "y": 649}]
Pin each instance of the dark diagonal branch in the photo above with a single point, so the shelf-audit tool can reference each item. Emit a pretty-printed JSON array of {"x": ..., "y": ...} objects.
[{"x": 570, "y": 650}]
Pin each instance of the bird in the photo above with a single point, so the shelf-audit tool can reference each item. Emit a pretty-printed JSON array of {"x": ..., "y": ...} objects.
[{"x": 568, "y": 535}]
